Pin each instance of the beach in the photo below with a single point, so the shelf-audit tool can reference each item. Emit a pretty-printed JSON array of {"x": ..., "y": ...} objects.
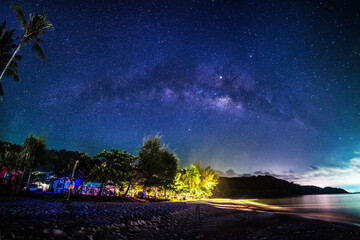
[{"x": 205, "y": 219}]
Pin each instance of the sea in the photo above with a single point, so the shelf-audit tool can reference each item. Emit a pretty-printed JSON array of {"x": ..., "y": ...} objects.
[{"x": 344, "y": 208}]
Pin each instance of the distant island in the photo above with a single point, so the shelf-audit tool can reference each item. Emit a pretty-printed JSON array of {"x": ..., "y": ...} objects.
[{"x": 265, "y": 187}]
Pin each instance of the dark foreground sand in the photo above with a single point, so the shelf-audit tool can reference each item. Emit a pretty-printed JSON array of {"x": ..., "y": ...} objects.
[{"x": 59, "y": 219}]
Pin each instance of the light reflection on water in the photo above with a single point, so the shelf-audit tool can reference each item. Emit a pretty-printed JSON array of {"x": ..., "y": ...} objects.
[
  {"x": 344, "y": 208},
  {"x": 333, "y": 207}
]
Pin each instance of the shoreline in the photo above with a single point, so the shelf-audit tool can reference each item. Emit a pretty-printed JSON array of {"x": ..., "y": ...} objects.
[
  {"x": 255, "y": 205},
  {"x": 202, "y": 219}
]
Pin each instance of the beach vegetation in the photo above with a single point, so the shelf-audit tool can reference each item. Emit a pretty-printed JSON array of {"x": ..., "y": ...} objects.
[
  {"x": 31, "y": 156},
  {"x": 196, "y": 182},
  {"x": 154, "y": 173},
  {"x": 157, "y": 165},
  {"x": 113, "y": 167}
]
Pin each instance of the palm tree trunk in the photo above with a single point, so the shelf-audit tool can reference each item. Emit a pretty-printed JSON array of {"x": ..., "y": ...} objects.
[
  {"x": 81, "y": 186},
  {"x": 12, "y": 188},
  {"x": 21, "y": 180},
  {"x": 57, "y": 186},
  {"x": 144, "y": 191},
  {"x": 127, "y": 189},
  {"x": 28, "y": 181},
  {"x": 11, "y": 59},
  {"x": 101, "y": 188}
]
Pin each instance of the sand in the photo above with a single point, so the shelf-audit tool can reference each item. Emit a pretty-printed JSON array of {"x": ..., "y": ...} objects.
[{"x": 212, "y": 219}]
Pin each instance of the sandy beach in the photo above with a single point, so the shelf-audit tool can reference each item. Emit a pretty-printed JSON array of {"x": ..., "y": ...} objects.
[{"x": 210, "y": 219}]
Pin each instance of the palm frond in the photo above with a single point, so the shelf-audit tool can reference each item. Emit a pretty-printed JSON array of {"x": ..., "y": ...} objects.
[
  {"x": 44, "y": 29},
  {"x": 7, "y": 45},
  {"x": 1, "y": 92},
  {"x": 19, "y": 15},
  {"x": 2, "y": 27},
  {"x": 13, "y": 71},
  {"x": 4, "y": 59},
  {"x": 18, "y": 57},
  {"x": 47, "y": 23},
  {"x": 37, "y": 25},
  {"x": 6, "y": 41},
  {"x": 37, "y": 49}
]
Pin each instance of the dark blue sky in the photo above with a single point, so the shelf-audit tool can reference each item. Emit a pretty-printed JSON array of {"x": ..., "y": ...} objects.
[{"x": 270, "y": 86}]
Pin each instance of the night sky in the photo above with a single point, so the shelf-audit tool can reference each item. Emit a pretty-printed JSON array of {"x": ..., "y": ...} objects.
[{"x": 248, "y": 87}]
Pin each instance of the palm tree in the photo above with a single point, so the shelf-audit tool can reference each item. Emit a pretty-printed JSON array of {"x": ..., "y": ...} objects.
[
  {"x": 209, "y": 179},
  {"x": 33, "y": 149},
  {"x": 6, "y": 46},
  {"x": 192, "y": 177},
  {"x": 36, "y": 25}
]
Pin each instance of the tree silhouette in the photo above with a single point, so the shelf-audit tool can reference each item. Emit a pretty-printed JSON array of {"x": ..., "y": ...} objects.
[
  {"x": 33, "y": 28},
  {"x": 7, "y": 44},
  {"x": 33, "y": 150}
]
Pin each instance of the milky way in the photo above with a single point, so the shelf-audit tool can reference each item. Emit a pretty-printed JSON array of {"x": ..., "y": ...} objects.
[{"x": 243, "y": 85}]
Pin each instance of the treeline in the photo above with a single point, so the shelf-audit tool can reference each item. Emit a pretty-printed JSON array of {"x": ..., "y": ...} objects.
[
  {"x": 154, "y": 171},
  {"x": 265, "y": 187}
]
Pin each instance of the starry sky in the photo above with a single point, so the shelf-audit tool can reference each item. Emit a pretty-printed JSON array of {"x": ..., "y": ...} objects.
[{"x": 248, "y": 87}]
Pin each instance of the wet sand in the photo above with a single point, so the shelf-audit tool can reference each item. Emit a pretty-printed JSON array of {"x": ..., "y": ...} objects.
[{"x": 224, "y": 219}]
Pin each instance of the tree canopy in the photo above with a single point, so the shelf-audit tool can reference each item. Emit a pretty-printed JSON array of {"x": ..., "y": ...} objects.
[
  {"x": 7, "y": 44},
  {"x": 196, "y": 181},
  {"x": 32, "y": 28},
  {"x": 157, "y": 163},
  {"x": 112, "y": 166},
  {"x": 156, "y": 167}
]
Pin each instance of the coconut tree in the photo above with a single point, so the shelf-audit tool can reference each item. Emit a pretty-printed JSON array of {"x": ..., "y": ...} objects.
[
  {"x": 180, "y": 186},
  {"x": 192, "y": 179},
  {"x": 7, "y": 44},
  {"x": 33, "y": 149},
  {"x": 33, "y": 28},
  {"x": 208, "y": 180}
]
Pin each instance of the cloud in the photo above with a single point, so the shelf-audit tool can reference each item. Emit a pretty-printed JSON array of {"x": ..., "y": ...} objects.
[
  {"x": 290, "y": 176},
  {"x": 231, "y": 172},
  {"x": 346, "y": 176},
  {"x": 314, "y": 168},
  {"x": 246, "y": 175},
  {"x": 355, "y": 162},
  {"x": 228, "y": 173}
]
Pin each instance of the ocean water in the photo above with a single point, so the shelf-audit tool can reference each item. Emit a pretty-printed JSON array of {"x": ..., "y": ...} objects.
[{"x": 343, "y": 208}]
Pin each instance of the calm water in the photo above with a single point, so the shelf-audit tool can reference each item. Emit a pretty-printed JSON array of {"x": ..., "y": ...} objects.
[{"x": 333, "y": 207}]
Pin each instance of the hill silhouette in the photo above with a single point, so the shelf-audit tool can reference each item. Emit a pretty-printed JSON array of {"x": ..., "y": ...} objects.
[{"x": 265, "y": 187}]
